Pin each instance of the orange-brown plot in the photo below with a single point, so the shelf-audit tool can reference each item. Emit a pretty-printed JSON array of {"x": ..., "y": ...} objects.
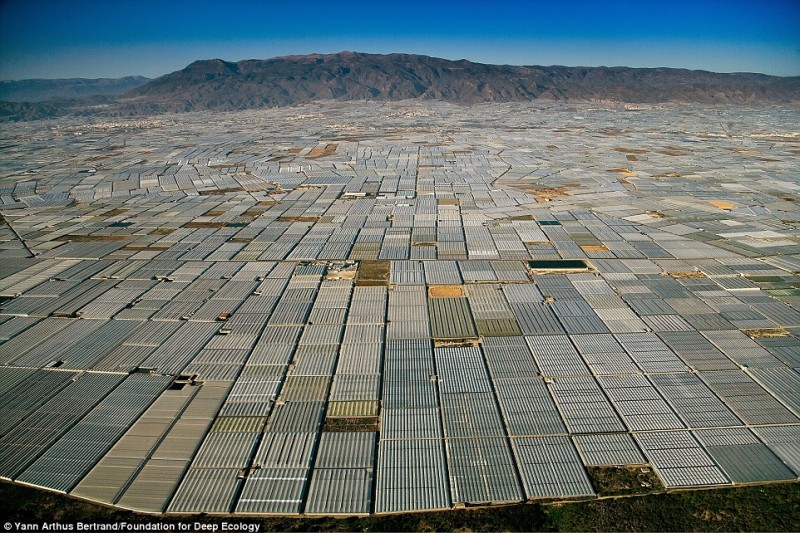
[
  {"x": 722, "y": 204},
  {"x": 329, "y": 149},
  {"x": 445, "y": 291}
]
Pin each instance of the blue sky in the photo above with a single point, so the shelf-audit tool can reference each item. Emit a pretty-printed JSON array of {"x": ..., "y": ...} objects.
[{"x": 79, "y": 38}]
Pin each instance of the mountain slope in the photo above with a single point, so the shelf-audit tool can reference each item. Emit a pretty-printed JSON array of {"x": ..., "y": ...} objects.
[
  {"x": 220, "y": 85},
  {"x": 283, "y": 81}
]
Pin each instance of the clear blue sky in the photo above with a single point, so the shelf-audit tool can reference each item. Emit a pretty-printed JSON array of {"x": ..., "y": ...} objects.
[{"x": 79, "y": 38}]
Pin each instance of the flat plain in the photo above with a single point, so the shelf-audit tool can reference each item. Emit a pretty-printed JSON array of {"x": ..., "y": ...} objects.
[{"x": 363, "y": 307}]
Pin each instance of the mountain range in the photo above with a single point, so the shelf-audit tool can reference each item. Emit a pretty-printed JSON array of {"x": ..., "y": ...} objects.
[
  {"x": 39, "y": 90},
  {"x": 283, "y": 81}
]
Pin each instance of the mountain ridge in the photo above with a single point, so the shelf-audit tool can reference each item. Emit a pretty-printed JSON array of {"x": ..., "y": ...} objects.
[
  {"x": 222, "y": 85},
  {"x": 218, "y": 85}
]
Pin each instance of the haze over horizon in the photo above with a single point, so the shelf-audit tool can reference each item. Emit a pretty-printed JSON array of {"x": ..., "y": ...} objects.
[{"x": 45, "y": 39}]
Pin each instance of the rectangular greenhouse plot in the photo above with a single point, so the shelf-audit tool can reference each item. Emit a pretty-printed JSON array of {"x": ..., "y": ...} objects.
[
  {"x": 411, "y": 476},
  {"x": 346, "y": 450},
  {"x": 527, "y": 407},
  {"x": 450, "y": 318},
  {"x": 786, "y": 349},
  {"x": 639, "y": 403},
  {"x": 509, "y": 357},
  {"x": 461, "y": 370},
  {"x": 679, "y": 459},
  {"x": 63, "y": 465},
  {"x": 409, "y": 394},
  {"x": 406, "y": 273},
  {"x": 588, "y": 323},
  {"x": 299, "y": 417},
  {"x": 482, "y": 470},
  {"x": 368, "y": 305},
  {"x": 694, "y": 402},
  {"x": 471, "y": 415},
  {"x": 154, "y": 486},
  {"x": 782, "y": 382},
  {"x": 209, "y": 490},
  {"x": 498, "y": 327},
  {"x": 747, "y": 398},
  {"x": 226, "y": 449},
  {"x": 784, "y": 441},
  {"x": 410, "y": 329},
  {"x": 251, "y": 397},
  {"x": 354, "y": 387},
  {"x": 299, "y": 388},
  {"x": 584, "y": 406},
  {"x": 604, "y": 355},
  {"x": 360, "y": 334},
  {"x": 556, "y": 356},
  {"x": 608, "y": 449},
  {"x": 412, "y": 368},
  {"x": 742, "y": 456},
  {"x": 340, "y": 491},
  {"x": 413, "y": 423},
  {"x": 743, "y": 350},
  {"x": 511, "y": 270},
  {"x": 155, "y": 483},
  {"x": 10, "y": 328},
  {"x": 274, "y": 490},
  {"x": 285, "y": 450},
  {"x": 35, "y": 391},
  {"x": 93, "y": 347},
  {"x": 106, "y": 481},
  {"x": 442, "y": 273},
  {"x": 550, "y": 468},
  {"x": 536, "y": 319},
  {"x": 352, "y": 409},
  {"x": 49, "y": 350},
  {"x": 359, "y": 358},
  {"x": 696, "y": 351},
  {"x": 174, "y": 354},
  {"x": 650, "y": 353}
]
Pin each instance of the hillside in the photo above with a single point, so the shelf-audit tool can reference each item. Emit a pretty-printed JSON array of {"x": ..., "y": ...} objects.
[{"x": 220, "y": 85}]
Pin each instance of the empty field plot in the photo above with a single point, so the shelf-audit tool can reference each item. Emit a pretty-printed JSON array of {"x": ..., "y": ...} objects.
[{"x": 373, "y": 273}]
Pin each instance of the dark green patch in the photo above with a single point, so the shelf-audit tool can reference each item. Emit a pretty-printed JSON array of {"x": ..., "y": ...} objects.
[
  {"x": 756, "y": 508},
  {"x": 618, "y": 480}
]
